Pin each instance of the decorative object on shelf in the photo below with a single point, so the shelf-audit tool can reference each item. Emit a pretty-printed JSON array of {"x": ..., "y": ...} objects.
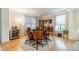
[{"x": 14, "y": 27}]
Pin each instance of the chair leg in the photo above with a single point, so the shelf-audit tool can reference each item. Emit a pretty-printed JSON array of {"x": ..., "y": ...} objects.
[
  {"x": 26, "y": 42},
  {"x": 34, "y": 45},
  {"x": 49, "y": 39},
  {"x": 42, "y": 45},
  {"x": 30, "y": 41},
  {"x": 37, "y": 45}
]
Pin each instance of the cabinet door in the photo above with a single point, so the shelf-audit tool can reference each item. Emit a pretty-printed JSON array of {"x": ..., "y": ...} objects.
[{"x": 41, "y": 23}]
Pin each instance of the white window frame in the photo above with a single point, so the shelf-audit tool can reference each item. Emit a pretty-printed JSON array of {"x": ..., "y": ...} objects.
[{"x": 62, "y": 25}]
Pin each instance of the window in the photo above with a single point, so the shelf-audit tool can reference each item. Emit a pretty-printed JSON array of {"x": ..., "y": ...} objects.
[
  {"x": 30, "y": 22},
  {"x": 60, "y": 23}
]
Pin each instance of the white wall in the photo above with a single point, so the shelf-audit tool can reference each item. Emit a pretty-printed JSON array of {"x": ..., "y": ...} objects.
[
  {"x": 11, "y": 19},
  {"x": 77, "y": 24},
  {"x": 20, "y": 22},
  {"x": 74, "y": 24},
  {"x": 0, "y": 25},
  {"x": 16, "y": 19},
  {"x": 5, "y": 24}
]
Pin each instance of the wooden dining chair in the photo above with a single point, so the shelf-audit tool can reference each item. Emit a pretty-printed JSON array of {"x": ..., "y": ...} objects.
[
  {"x": 38, "y": 35},
  {"x": 30, "y": 36}
]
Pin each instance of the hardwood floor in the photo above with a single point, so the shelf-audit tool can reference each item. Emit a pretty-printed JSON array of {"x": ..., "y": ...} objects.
[
  {"x": 12, "y": 45},
  {"x": 60, "y": 44}
]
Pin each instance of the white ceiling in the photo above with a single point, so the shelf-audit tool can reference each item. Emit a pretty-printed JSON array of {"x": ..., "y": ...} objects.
[{"x": 37, "y": 11}]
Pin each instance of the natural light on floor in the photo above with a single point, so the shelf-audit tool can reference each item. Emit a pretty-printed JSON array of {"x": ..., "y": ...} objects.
[{"x": 60, "y": 44}]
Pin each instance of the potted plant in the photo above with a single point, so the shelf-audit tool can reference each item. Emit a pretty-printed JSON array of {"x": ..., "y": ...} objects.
[{"x": 65, "y": 31}]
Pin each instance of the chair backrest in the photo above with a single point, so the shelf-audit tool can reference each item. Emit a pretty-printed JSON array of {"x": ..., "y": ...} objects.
[
  {"x": 38, "y": 35},
  {"x": 28, "y": 29},
  {"x": 29, "y": 35}
]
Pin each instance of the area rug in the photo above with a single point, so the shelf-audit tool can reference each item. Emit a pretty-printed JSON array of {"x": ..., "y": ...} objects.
[{"x": 27, "y": 47}]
